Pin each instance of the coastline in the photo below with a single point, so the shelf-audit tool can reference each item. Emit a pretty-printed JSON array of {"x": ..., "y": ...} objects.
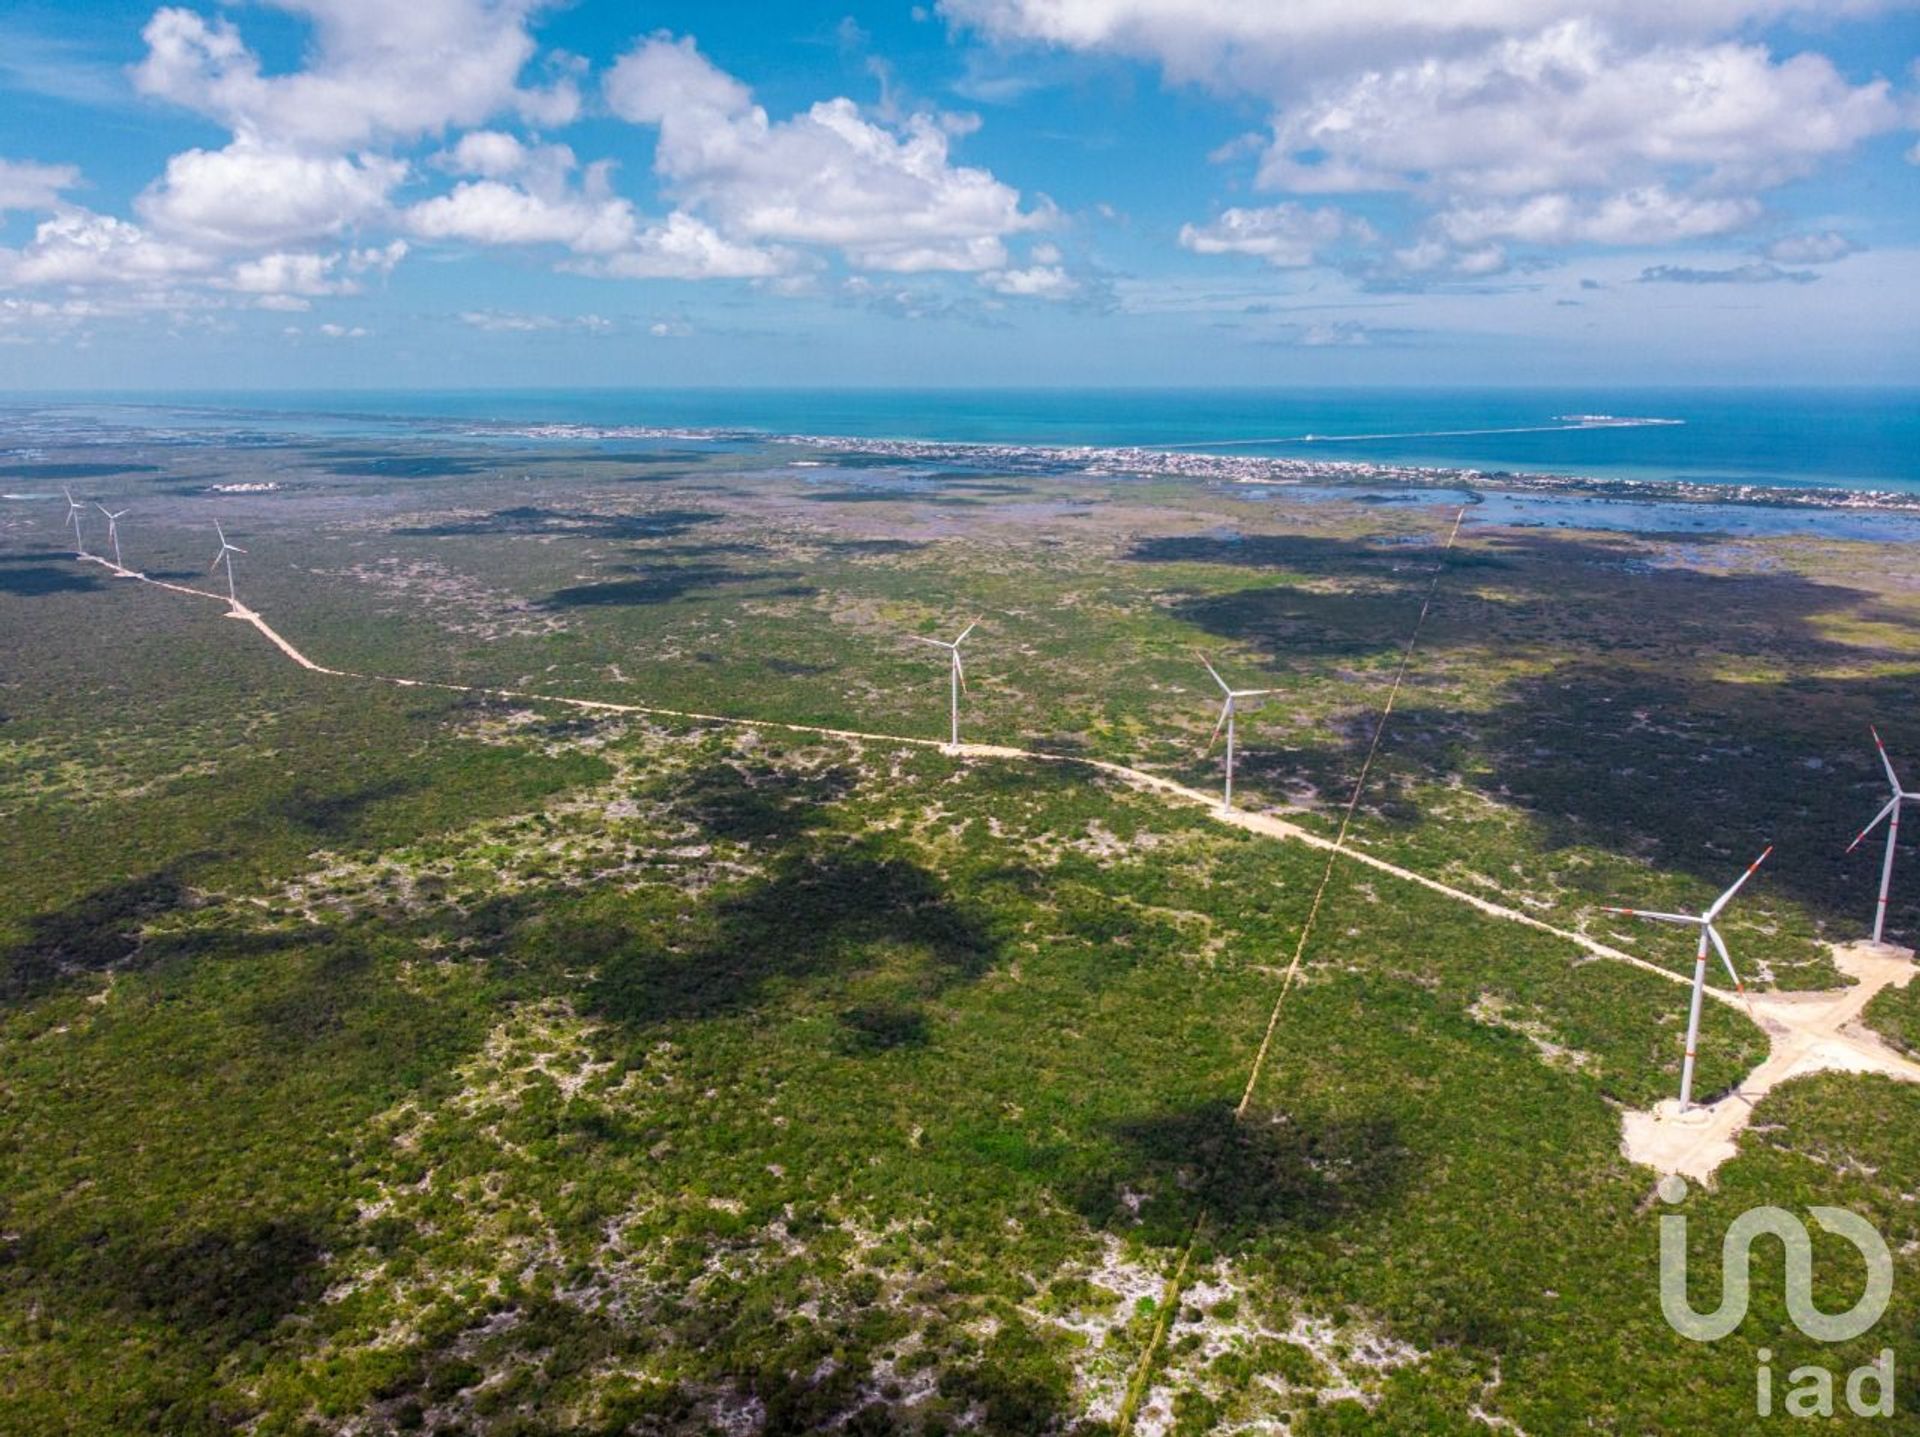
[{"x": 1178, "y": 462}]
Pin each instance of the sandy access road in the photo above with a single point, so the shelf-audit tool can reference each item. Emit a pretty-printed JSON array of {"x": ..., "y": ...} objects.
[{"x": 1807, "y": 1032}]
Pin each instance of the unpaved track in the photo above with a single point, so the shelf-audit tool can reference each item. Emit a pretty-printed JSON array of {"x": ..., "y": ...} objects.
[
  {"x": 1807, "y": 1032},
  {"x": 1261, "y": 823}
]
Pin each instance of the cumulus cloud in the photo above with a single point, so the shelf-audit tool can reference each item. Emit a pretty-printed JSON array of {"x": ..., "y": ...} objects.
[
  {"x": 25, "y": 185},
  {"x": 490, "y": 212},
  {"x": 373, "y": 71},
  {"x": 887, "y": 196},
  {"x": 1542, "y": 122},
  {"x": 1573, "y": 108},
  {"x": 299, "y": 275},
  {"x": 246, "y": 196},
  {"x": 1040, "y": 281},
  {"x": 528, "y": 196},
  {"x": 683, "y": 247},
  {"x": 1822, "y": 248},
  {"x": 77, "y": 247},
  {"x": 1651, "y": 214},
  {"x": 1265, "y": 46},
  {"x": 1287, "y": 236}
]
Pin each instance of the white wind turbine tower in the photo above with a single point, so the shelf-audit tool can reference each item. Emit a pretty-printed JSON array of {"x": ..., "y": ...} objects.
[
  {"x": 958, "y": 677},
  {"x": 1228, "y": 708},
  {"x": 74, "y": 508},
  {"x": 227, "y": 551},
  {"x": 1708, "y": 935},
  {"x": 113, "y": 537},
  {"x": 1891, "y": 815}
]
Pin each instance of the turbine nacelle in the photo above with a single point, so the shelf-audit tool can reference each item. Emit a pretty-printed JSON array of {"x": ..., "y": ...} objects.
[
  {"x": 1229, "y": 706},
  {"x": 1709, "y": 937},
  {"x": 958, "y": 672},
  {"x": 1889, "y": 814}
]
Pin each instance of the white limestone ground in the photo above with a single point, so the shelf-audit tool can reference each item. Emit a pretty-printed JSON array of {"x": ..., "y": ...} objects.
[{"x": 1806, "y": 1033}]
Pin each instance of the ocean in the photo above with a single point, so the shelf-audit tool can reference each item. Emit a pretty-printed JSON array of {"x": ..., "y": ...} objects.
[{"x": 1851, "y": 439}]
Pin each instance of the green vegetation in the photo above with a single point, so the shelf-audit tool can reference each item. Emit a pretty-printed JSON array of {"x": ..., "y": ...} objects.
[{"x": 377, "y": 1058}]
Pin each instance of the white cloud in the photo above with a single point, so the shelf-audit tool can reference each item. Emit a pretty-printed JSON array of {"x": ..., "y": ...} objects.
[
  {"x": 529, "y": 198},
  {"x": 1531, "y": 121},
  {"x": 683, "y": 247},
  {"x": 246, "y": 196},
  {"x": 887, "y": 196},
  {"x": 1264, "y": 46},
  {"x": 77, "y": 247},
  {"x": 372, "y": 71},
  {"x": 1040, "y": 281},
  {"x": 341, "y": 331},
  {"x": 1573, "y": 108},
  {"x": 1649, "y": 215},
  {"x": 491, "y": 212},
  {"x": 498, "y": 321},
  {"x": 1821, "y": 248},
  {"x": 284, "y": 274},
  {"x": 25, "y": 185},
  {"x": 1287, "y": 236}
]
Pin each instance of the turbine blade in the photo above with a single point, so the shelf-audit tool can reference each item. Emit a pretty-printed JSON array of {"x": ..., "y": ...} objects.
[
  {"x": 1226, "y": 710},
  {"x": 964, "y": 632},
  {"x": 216, "y": 561},
  {"x": 1886, "y": 762},
  {"x": 960, "y": 669},
  {"x": 923, "y": 639},
  {"x": 104, "y": 510},
  {"x": 236, "y": 548},
  {"x": 1657, "y": 917},
  {"x": 1878, "y": 819},
  {"x": 1727, "y": 958},
  {"x": 1725, "y": 898},
  {"x": 1215, "y": 672}
]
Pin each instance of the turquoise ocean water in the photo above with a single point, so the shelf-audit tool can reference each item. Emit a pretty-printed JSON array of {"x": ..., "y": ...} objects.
[{"x": 1838, "y": 438}]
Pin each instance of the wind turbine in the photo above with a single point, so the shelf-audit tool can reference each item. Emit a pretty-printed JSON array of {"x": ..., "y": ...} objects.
[
  {"x": 74, "y": 506},
  {"x": 1891, "y": 813},
  {"x": 959, "y": 674},
  {"x": 1227, "y": 710},
  {"x": 1708, "y": 934},
  {"x": 227, "y": 551},
  {"x": 113, "y": 534}
]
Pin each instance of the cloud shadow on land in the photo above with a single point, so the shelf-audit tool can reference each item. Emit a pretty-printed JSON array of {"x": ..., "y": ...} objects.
[
  {"x": 336, "y": 815},
  {"x": 530, "y": 520},
  {"x": 1679, "y": 716},
  {"x": 95, "y": 933},
  {"x": 664, "y": 585},
  {"x": 1696, "y": 774},
  {"x": 73, "y": 471},
  {"x": 214, "y": 1290},
  {"x": 828, "y": 907},
  {"x": 38, "y": 580},
  {"x": 1262, "y": 1173},
  {"x": 817, "y": 916}
]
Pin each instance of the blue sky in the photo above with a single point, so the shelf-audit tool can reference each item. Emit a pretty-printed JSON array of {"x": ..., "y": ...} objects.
[{"x": 452, "y": 193}]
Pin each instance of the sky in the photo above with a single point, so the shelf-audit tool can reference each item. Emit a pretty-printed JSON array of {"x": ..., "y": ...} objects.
[{"x": 473, "y": 193}]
